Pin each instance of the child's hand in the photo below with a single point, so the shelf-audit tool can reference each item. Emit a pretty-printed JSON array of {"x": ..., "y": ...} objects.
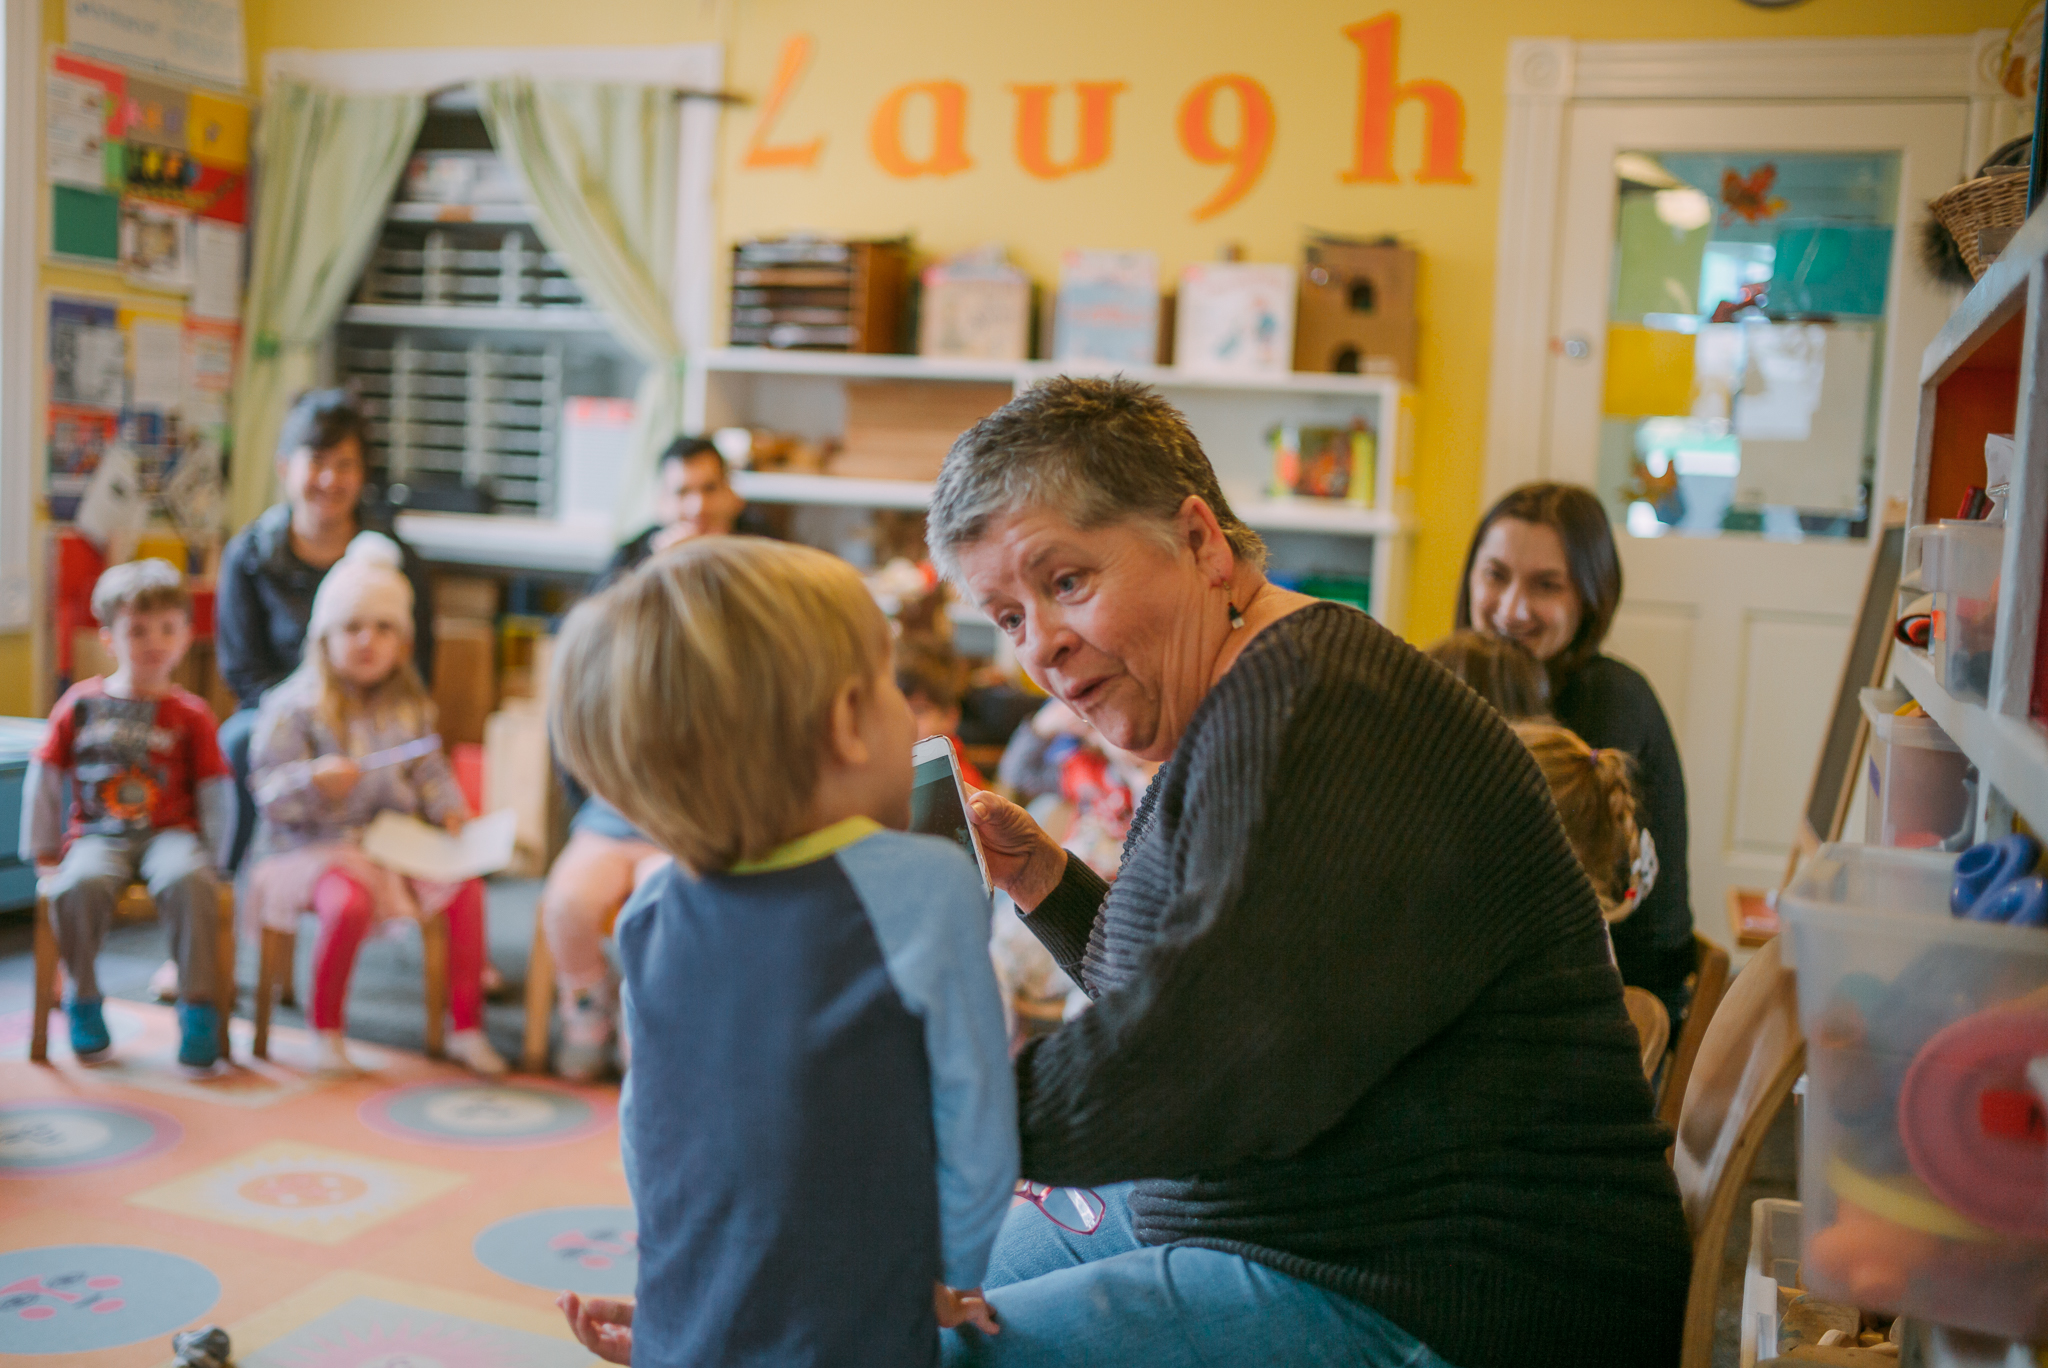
[
  {"x": 963, "y": 1307},
  {"x": 454, "y": 822},
  {"x": 334, "y": 776},
  {"x": 1022, "y": 860},
  {"x": 601, "y": 1325}
]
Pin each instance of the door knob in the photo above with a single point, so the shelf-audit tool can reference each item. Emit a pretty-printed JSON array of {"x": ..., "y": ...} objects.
[{"x": 1576, "y": 347}]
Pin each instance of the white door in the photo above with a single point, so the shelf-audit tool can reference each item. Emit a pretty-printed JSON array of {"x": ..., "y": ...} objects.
[{"x": 1742, "y": 460}]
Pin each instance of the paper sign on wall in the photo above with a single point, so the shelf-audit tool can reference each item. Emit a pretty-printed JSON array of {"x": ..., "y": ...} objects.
[
  {"x": 216, "y": 270},
  {"x": 156, "y": 245},
  {"x": 75, "y": 132},
  {"x": 200, "y": 38}
]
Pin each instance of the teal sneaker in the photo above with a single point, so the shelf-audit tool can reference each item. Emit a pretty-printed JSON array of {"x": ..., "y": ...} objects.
[
  {"x": 89, "y": 1039},
  {"x": 198, "y": 1035}
]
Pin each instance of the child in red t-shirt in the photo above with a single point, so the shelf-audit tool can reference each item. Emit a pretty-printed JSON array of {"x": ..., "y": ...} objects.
[{"x": 151, "y": 798}]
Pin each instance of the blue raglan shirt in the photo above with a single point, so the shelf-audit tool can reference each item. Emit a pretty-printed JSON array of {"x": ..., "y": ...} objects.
[{"x": 820, "y": 1118}]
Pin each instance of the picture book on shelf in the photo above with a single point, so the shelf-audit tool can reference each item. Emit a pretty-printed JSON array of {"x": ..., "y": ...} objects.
[
  {"x": 1108, "y": 307},
  {"x": 1235, "y": 318}
]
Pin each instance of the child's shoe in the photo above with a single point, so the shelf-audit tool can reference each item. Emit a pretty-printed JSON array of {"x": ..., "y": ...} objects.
[
  {"x": 90, "y": 1042},
  {"x": 198, "y": 1035},
  {"x": 586, "y": 1038},
  {"x": 472, "y": 1050},
  {"x": 330, "y": 1059}
]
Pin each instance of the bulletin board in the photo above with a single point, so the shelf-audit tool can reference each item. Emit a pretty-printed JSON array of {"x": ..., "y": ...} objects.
[{"x": 147, "y": 189}]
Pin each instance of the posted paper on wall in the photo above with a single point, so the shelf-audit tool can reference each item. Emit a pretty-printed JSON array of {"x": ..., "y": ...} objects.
[
  {"x": 216, "y": 270},
  {"x": 159, "y": 357},
  {"x": 75, "y": 132}
]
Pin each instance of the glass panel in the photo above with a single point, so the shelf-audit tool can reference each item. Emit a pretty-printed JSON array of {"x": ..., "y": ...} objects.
[{"x": 1745, "y": 340}]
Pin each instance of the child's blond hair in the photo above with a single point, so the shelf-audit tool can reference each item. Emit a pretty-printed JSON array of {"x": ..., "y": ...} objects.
[
  {"x": 142, "y": 586},
  {"x": 1499, "y": 670},
  {"x": 1597, "y": 805},
  {"x": 695, "y": 694}
]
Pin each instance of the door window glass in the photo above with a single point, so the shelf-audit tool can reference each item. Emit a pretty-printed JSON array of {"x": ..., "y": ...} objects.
[{"x": 1745, "y": 342}]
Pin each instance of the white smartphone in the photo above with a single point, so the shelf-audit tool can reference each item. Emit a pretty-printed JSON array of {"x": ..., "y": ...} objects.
[{"x": 938, "y": 800}]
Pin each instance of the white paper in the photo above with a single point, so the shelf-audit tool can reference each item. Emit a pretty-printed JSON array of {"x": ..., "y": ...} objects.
[
  {"x": 411, "y": 846},
  {"x": 159, "y": 359},
  {"x": 156, "y": 245},
  {"x": 201, "y": 38},
  {"x": 75, "y": 131},
  {"x": 216, "y": 270},
  {"x": 209, "y": 365},
  {"x": 114, "y": 504}
]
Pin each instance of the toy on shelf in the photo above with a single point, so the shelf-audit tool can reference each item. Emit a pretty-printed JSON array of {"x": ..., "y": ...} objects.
[{"x": 1334, "y": 463}]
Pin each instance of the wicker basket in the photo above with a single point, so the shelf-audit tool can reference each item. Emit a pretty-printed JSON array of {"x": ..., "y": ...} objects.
[{"x": 1993, "y": 205}]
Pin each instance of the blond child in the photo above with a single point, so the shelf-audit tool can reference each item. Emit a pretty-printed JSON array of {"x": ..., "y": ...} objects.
[
  {"x": 1597, "y": 805},
  {"x": 151, "y": 798},
  {"x": 820, "y": 1124},
  {"x": 348, "y": 735},
  {"x": 1499, "y": 670}
]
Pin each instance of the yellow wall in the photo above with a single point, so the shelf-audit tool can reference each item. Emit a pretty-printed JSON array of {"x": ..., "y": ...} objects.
[{"x": 1143, "y": 195}]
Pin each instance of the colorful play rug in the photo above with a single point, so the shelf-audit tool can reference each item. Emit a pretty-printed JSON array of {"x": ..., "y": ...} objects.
[{"x": 414, "y": 1216}]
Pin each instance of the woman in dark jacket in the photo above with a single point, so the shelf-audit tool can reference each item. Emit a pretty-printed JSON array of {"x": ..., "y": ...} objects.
[
  {"x": 1542, "y": 571},
  {"x": 271, "y": 568}
]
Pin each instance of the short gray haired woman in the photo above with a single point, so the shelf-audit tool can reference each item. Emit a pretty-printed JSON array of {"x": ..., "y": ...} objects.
[{"x": 1356, "y": 1084}]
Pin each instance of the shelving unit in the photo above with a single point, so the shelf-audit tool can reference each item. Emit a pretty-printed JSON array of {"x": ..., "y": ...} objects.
[
  {"x": 1987, "y": 372},
  {"x": 805, "y": 392}
]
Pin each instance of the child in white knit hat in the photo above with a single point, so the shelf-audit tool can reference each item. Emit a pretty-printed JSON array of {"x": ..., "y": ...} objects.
[{"x": 339, "y": 741}]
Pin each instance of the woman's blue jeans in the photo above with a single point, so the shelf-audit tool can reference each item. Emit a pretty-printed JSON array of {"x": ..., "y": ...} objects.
[{"x": 1092, "y": 1301}]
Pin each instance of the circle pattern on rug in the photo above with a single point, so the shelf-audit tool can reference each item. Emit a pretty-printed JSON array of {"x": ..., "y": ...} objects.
[
  {"x": 46, "y": 1139},
  {"x": 592, "y": 1249},
  {"x": 66, "y": 1299},
  {"x": 484, "y": 1115}
]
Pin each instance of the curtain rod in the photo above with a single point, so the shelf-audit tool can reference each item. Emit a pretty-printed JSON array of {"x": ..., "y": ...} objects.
[{"x": 731, "y": 97}]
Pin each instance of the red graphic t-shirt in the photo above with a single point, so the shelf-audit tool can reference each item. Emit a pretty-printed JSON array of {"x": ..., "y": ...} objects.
[{"x": 136, "y": 763}]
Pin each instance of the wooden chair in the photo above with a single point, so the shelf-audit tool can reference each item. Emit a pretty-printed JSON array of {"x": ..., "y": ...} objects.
[
  {"x": 1710, "y": 981},
  {"x": 135, "y": 905},
  {"x": 540, "y": 994},
  {"x": 279, "y": 953},
  {"x": 1751, "y": 1055},
  {"x": 1653, "y": 1025}
]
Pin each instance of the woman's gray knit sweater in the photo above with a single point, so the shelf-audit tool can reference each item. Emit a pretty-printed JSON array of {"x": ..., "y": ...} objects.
[{"x": 1355, "y": 1019}]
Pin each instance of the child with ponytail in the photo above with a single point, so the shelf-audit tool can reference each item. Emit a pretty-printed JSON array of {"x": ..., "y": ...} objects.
[
  {"x": 348, "y": 735},
  {"x": 1597, "y": 804}
]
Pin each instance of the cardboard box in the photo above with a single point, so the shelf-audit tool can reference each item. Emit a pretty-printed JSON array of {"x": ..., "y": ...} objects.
[
  {"x": 465, "y": 596},
  {"x": 902, "y": 429},
  {"x": 465, "y": 677},
  {"x": 1357, "y": 313}
]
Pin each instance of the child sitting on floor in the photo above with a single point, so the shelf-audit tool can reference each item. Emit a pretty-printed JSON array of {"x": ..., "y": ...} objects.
[
  {"x": 152, "y": 798},
  {"x": 348, "y": 735},
  {"x": 1597, "y": 805},
  {"x": 820, "y": 1125}
]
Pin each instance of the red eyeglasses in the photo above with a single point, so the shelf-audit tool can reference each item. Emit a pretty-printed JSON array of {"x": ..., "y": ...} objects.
[{"x": 1077, "y": 1209}]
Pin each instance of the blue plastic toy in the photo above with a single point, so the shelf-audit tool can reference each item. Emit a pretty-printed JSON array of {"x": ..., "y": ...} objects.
[{"x": 1984, "y": 870}]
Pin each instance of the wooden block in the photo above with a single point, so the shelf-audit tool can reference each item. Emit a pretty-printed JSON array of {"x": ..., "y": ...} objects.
[
  {"x": 516, "y": 776},
  {"x": 465, "y": 677},
  {"x": 902, "y": 429},
  {"x": 465, "y": 596}
]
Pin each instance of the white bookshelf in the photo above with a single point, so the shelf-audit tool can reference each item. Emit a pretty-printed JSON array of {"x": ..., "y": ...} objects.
[
  {"x": 1997, "y": 327},
  {"x": 804, "y": 392}
]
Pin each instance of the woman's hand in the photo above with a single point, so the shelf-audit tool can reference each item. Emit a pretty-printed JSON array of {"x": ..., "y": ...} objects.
[
  {"x": 963, "y": 1307},
  {"x": 601, "y": 1325},
  {"x": 334, "y": 776},
  {"x": 1022, "y": 860}
]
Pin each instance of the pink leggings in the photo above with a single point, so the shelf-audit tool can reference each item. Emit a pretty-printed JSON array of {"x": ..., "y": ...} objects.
[{"x": 345, "y": 909}]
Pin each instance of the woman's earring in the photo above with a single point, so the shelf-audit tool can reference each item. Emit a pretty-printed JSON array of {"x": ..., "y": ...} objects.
[{"x": 1236, "y": 618}]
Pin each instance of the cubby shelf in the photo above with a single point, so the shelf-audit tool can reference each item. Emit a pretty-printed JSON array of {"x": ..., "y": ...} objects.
[
  {"x": 864, "y": 366},
  {"x": 2010, "y": 753}
]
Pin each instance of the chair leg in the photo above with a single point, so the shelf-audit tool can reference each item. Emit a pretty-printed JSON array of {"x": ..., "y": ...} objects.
[
  {"x": 273, "y": 967},
  {"x": 434, "y": 937},
  {"x": 225, "y": 993},
  {"x": 45, "y": 985},
  {"x": 540, "y": 1003}
]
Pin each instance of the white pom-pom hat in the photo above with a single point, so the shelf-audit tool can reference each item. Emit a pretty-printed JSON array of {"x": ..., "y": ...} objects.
[{"x": 368, "y": 583}]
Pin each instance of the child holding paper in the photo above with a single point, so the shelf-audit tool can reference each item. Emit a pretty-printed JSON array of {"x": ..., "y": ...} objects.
[{"x": 348, "y": 735}]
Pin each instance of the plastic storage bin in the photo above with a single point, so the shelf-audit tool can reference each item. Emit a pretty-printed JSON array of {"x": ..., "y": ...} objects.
[
  {"x": 1964, "y": 582},
  {"x": 1924, "y": 1167},
  {"x": 1918, "y": 795}
]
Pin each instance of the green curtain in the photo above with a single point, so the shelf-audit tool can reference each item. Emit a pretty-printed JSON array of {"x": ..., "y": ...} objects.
[
  {"x": 327, "y": 164},
  {"x": 599, "y": 161}
]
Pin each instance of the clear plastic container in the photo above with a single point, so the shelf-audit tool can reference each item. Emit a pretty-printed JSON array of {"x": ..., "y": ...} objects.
[
  {"x": 1964, "y": 582},
  {"x": 1924, "y": 1163},
  {"x": 1918, "y": 795}
]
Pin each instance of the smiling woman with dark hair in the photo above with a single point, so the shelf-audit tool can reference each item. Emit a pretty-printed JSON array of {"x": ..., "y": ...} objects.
[
  {"x": 1542, "y": 572},
  {"x": 1356, "y": 1084}
]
